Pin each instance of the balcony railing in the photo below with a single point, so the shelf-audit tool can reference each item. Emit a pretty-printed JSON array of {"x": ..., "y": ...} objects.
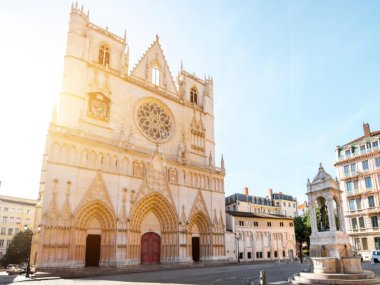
[{"x": 355, "y": 154}]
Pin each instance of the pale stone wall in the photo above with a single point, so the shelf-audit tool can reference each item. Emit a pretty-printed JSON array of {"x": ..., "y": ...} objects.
[
  {"x": 103, "y": 174},
  {"x": 259, "y": 240}
]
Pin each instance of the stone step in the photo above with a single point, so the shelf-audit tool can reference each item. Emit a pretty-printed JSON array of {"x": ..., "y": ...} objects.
[
  {"x": 365, "y": 275},
  {"x": 302, "y": 280}
]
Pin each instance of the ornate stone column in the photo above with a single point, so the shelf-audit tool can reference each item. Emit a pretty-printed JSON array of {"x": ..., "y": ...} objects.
[{"x": 331, "y": 214}]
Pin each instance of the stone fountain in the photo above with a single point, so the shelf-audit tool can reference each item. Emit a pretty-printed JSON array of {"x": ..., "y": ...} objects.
[{"x": 331, "y": 256}]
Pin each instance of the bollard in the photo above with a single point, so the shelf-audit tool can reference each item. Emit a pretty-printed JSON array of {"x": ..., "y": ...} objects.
[{"x": 263, "y": 278}]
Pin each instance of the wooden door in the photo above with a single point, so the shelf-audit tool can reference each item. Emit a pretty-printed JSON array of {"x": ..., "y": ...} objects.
[
  {"x": 150, "y": 248},
  {"x": 195, "y": 248},
  {"x": 92, "y": 250}
]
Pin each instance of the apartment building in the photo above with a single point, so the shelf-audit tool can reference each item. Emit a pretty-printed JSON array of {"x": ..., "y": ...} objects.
[
  {"x": 14, "y": 214},
  {"x": 358, "y": 170},
  {"x": 273, "y": 203},
  {"x": 261, "y": 236}
]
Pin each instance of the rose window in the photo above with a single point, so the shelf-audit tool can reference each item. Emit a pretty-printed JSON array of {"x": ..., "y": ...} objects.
[{"x": 154, "y": 121}]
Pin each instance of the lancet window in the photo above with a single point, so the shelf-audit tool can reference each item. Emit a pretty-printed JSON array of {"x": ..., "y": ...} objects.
[
  {"x": 104, "y": 55},
  {"x": 194, "y": 95}
]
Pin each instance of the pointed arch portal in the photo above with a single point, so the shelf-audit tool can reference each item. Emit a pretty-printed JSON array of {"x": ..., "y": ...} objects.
[
  {"x": 95, "y": 225},
  {"x": 166, "y": 214}
]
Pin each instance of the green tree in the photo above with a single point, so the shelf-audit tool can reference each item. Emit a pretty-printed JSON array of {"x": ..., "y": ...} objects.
[
  {"x": 302, "y": 230},
  {"x": 19, "y": 249}
]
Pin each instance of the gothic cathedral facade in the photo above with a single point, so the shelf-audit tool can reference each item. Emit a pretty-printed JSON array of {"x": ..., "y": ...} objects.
[{"x": 129, "y": 174}]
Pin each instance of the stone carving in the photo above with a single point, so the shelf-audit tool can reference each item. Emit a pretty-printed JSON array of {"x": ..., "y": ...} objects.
[
  {"x": 123, "y": 212},
  {"x": 66, "y": 212},
  {"x": 52, "y": 213},
  {"x": 155, "y": 180},
  {"x": 96, "y": 191},
  {"x": 199, "y": 206},
  {"x": 138, "y": 169},
  {"x": 154, "y": 121}
]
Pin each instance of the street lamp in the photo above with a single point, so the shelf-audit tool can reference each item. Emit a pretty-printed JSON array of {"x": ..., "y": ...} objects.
[
  {"x": 238, "y": 237},
  {"x": 30, "y": 249}
]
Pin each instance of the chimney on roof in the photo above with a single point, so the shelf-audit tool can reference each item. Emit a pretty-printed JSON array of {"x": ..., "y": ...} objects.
[
  {"x": 270, "y": 193},
  {"x": 245, "y": 191},
  {"x": 366, "y": 129}
]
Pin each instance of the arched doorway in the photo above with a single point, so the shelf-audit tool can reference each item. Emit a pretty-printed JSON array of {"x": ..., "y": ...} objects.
[
  {"x": 199, "y": 229},
  {"x": 93, "y": 250},
  {"x": 195, "y": 243},
  {"x": 155, "y": 214},
  {"x": 195, "y": 248},
  {"x": 95, "y": 235},
  {"x": 150, "y": 248}
]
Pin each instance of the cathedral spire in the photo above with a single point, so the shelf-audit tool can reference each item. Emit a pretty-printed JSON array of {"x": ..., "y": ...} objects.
[{"x": 125, "y": 36}]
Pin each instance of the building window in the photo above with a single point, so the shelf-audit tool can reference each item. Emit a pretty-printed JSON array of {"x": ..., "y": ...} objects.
[
  {"x": 353, "y": 167},
  {"x": 349, "y": 187},
  {"x": 11, "y": 220},
  {"x": 283, "y": 253},
  {"x": 259, "y": 254},
  {"x": 249, "y": 255},
  {"x": 5, "y": 209},
  {"x": 365, "y": 243},
  {"x": 361, "y": 223},
  {"x": 346, "y": 169},
  {"x": 374, "y": 222},
  {"x": 1, "y": 242},
  {"x": 375, "y": 144},
  {"x": 281, "y": 224},
  {"x": 28, "y": 212},
  {"x": 241, "y": 223},
  {"x": 240, "y": 255},
  {"x": 18, "y": 220},
  {"x": 291, "y": 224},
  {"x": 193, "y": 95},
  {"x": 268, "y": 254},
  {"x": 368, "y": 182},
  {"x": 104, "y": 55},
  {"x": 362, "y": 148},
  {"x": 358, "y": 203},
  {"x": 356, "y": 184},
  {"x": 371, "y": 202},
  {"x": 377, "y": 161},
  {"x": 27, "y": 221},
  {"x": 365, "y": 165},
  {"x": 357, "y": 243},
  {"x": 269, "y": 224},
  {"x": 352, "y": 204},
  {"x": 17, "y": 231},
  {"x": 256, "y": 224},
  {"x": 10, "y": 231},
  {"x": 275, "y": 253},
  {"x": 5, "y": 220},
  {"x": 3, "y": 231},
  {"x": 377, "y": 243},
  {"x": 9, "y": 242},
  {"x": 354, "y": 223},
  {"x": 155, "y": 75}
]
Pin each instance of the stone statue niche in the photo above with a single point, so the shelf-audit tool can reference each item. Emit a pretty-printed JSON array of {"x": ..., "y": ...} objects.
[
  {"x": 329, "y": 241},
  {"x": 331, "y": 256}
]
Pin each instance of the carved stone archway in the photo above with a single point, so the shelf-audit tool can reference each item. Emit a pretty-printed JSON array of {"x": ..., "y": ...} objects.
[
  {"x": 203, "y": 223},
  {"x": 101, "y": 212},
  {"x": 168, "y": 218}
]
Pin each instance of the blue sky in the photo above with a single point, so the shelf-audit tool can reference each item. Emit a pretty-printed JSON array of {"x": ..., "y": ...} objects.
[{"x": 292, "y": 79}]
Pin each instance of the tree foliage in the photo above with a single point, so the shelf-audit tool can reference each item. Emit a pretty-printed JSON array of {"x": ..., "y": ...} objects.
[
  {"x": 303, "y": 228},
  {"x": 19, "y": 249}
]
